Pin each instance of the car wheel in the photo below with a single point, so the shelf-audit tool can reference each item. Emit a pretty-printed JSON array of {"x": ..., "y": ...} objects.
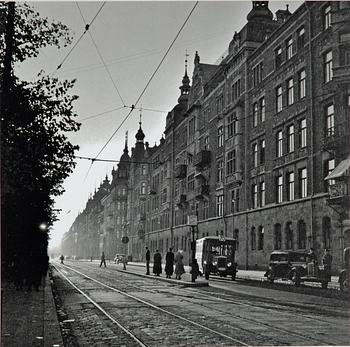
[
  {"x": 296, "y": 279},
  {"x": 344, "y": 285}
]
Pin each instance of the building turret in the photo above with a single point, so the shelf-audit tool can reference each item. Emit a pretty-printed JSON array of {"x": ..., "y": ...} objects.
[
  {"x": 260, "y": 12},
  {"x": 185, "y": 87},
  {"x": 139, "y": 151}
]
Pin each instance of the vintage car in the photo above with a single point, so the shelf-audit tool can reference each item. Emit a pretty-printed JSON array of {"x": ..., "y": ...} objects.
[
  {"x": 344, "y": 273},
  {"x": 119, "y": 258},
  {"x": 296, "y": 266}
]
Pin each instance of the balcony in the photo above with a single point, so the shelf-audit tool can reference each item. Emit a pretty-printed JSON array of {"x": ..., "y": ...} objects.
[
  {"x": 234, "y": 179},
  {"x": 181, "y": 171},
  {"x": 339, "y": 194},
  {"x": 202, "y": 158},
  {"x": 182, "y": 201},
  {"x": 152, "y": 191},
  {"x": 202, "y": 191}
]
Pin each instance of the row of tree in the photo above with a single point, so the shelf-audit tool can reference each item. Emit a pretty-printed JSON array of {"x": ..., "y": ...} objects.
[{"x": 36, "y": 117}]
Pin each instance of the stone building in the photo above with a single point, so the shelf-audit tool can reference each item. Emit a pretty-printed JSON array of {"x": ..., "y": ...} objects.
[{"x": 257, "y": 147}]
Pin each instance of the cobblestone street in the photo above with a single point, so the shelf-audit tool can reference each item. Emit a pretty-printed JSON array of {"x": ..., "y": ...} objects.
[{"x": 159, "y": 313}]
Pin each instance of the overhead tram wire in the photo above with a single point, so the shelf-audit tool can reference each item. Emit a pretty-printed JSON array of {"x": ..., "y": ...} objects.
[
  {"x": 101, "y": 57},
  {"x": 87, "y": 27},
  {"x": 145, "y": 88},
  {"x": 116, "y": 161},
  {"x": 101, "y": 114}
]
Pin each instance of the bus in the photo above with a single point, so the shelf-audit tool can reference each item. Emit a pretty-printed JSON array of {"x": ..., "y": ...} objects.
[{"x": 216, "y": 255}]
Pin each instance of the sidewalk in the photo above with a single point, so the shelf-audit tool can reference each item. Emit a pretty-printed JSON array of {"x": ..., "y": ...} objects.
[{"x": 29, "y": 318}]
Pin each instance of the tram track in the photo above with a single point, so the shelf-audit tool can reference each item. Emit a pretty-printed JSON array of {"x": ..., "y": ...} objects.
[{"x": 280, "y": 330}]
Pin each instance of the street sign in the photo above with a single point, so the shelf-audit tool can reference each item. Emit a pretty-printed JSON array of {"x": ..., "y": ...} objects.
[
  {"x": 125, "y": 239},
  {"x": 192, "y": 220}
]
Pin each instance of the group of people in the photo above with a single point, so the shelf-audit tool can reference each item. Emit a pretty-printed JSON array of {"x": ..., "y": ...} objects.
[{"x": 171, "y": 259}]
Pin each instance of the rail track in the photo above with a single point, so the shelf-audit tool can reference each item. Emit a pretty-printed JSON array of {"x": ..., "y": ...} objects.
[{"x": 194, "y": 321}]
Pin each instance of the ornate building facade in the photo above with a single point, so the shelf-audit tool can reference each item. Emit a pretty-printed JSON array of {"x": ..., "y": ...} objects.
[{"x": 257, "y": 148}]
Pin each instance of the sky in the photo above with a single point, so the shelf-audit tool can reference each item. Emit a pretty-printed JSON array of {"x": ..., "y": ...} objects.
[{"x": 132, "y": 38}]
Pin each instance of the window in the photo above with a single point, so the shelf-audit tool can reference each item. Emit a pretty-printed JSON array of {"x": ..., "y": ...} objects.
[
  {"x": 143, "y": 188},
  {"x": 190, "y": 183},
  {"x": 290, "y": 92},
  {"x": 303, "y": 182},
  {"x": 220, "y": 205},
  {"x": 279, "y": 104},
  {"x": 261, "y": 232},
  {"x": 279, "y": 142},
  {"x": 302, "y": 84},
  {"x": 301, "y": 234},
  {"x": 236, "y": 90},
  {"x": 328, "y": 66},
  {"x": 143, "y": 170},
  {"x": 257, "y": 73},
  {"x": 327, "y": 17},
  {"x": 220, "y": 171},
  {"x": 330, "y": 166},
  {"x": 206, "y": 143},
  {"x": 277, "y": 236},
  {"x": 279, "y": 188},
  {"x": 330, "y": 120},
  {"x": 290, "y": 139},
  {"x": 232, "y": 125},
  {"x": 262, "y": 194},
  {"x": 252, "y": 238},
  {"x": 220, "y": 136},
  {"x": 255, "y": 154},
  {"x": 231, "y": 162},
  {"x": 255, "y": 114},
  {"x": 262, "y": 109},
  {"x": 262, "y": 151},
  {"x": 205, "y": 209},
  {"x": 219, "y": 104},
  {"x": 234, "y": 200},
  {"x": 290, "y": 186},
  {"x": 289, "y": 48},
  {"x": 289, "y": 236},
  {"x": 301, "y": 37},
  {"x": 254, "y": 195},
  {"x": 278, "y": 57},
  {"x": 302, "y": 133}
]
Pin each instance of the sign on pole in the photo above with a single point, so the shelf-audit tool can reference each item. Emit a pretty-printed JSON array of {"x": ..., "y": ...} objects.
[{"x": 192, "y": 220}]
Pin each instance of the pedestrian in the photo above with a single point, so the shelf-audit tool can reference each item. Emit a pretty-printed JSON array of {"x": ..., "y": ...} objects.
[
  {"x": 169, "y": 263},
  {"x": 103, "y": 259},
  {"x": 195, "y": 269},
  {"x": 327, "y": 263},
  {"x": 148, "y": 259},
  {"x": 157, "y": 263},
  {"x": 312, "y": 265},
  {"x": 179, "y": 266},
  {"x": 62, "y": 258}
]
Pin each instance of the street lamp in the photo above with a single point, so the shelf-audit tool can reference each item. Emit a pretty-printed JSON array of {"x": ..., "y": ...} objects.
[
  {"x": 43, "y": 226},
  {"x": 192, "y": 222}
]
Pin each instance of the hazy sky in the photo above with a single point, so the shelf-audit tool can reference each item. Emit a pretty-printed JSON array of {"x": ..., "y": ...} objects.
[{"x": 132, "y": 38}]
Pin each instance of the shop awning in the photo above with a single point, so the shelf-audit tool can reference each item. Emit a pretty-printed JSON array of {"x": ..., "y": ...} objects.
[{"x": 342, "y": 169}]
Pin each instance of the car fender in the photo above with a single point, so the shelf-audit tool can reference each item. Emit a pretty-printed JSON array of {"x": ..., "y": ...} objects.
[{"x": 293, "y": 269}]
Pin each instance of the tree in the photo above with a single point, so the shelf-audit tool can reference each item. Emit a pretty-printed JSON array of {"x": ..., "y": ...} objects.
[{"x": 36, "y": 155}]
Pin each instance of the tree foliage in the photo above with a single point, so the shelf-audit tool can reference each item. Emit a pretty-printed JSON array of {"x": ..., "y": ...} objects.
[{"x": 35, "y": 151}]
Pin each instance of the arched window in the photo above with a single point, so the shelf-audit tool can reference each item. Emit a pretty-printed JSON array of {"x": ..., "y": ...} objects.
[
  {"x": 301, "y": 234},
  {"x": 253, "y": 238},
  {"x": 289, "y": 235},
  {"x": 236, "y": 236},
  {"x": 277, "y": 236},
  {"x": 326, "y": 232},
  {"x": 261, "y": 231}
]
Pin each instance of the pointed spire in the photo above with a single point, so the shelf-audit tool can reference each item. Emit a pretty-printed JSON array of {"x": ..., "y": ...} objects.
[
  {"x": 140, "y": 135},
  {"x": 185, "y": 87},
  {"x": 196, "y": 58}
]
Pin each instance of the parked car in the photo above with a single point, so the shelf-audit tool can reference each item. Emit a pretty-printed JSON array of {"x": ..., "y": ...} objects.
[
  {"x": 295, "y": 266},
  {"x": 119, "y": 258},
  {"x": 344, "y": 273}
]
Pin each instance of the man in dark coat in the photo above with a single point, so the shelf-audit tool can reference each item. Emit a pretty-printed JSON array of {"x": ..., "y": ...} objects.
[
  {"x": 103, "y": 259},
  {"x": 148, "y": 259},
  {"x": 169, "y": 263},
  {"x": 157, "y": 263},
  {"x": 327, "y": 263}
]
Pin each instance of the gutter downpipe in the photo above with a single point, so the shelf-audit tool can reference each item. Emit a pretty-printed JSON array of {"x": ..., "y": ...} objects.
[
  {"x": 245, "y": 161},
  {"x": 313, "y": 238}
]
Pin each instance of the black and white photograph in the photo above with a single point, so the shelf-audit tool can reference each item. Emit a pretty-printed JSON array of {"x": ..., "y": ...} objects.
[{"x": 175, "y": 173}]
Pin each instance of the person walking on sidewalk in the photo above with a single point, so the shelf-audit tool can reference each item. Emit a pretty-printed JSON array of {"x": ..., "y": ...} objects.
[
  {"x": 179, "y": 266},
  {"x": 157, "y": 263},
  {"x": 148, "y": 259},
  {"x": 62, "y": 258},
  {"x": 103, "y": 259},
  {"x": 169, "y": 263},
  {"x": 327, "y": 263}
]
